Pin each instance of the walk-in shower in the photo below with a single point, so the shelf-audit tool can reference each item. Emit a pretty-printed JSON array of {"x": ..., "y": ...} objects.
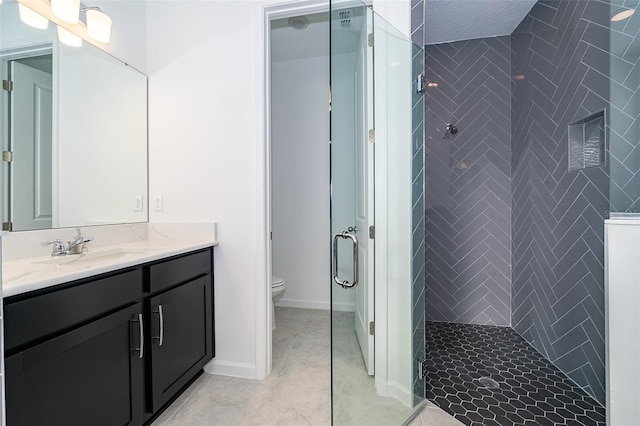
[{"x": 516, "y": 205}]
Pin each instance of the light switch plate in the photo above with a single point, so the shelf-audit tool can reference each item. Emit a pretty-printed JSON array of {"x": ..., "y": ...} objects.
[
  {"x": 137, "y": 203},
  {"x": 158, "y": 204}
]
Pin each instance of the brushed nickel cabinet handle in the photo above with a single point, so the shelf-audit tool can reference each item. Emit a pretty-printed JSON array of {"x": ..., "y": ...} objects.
[
  {"x": 161, "y": 315},
  {"x": 141, "y": 335}
]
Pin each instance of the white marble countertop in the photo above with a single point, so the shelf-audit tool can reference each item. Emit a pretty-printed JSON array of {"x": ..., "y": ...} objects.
[{"x": 24, "y": 275}]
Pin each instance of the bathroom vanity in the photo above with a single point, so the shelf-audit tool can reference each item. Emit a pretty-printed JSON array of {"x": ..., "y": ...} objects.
[{"x": 114, "y": 347}]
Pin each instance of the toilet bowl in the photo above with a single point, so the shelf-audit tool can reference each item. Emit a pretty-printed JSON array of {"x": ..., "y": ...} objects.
[{"x": 277, "y": 288}]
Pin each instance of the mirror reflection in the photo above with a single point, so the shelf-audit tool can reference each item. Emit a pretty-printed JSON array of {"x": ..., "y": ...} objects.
[{"x": 73, "y": 130}]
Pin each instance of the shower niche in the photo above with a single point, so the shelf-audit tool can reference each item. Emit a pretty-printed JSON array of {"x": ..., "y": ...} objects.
[{"x": 587, "y": 142}]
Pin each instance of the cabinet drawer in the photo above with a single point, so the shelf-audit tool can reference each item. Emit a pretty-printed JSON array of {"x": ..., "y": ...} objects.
[
  {"x": 53, "y": 312},
  {"x": 179, "y": 270}
]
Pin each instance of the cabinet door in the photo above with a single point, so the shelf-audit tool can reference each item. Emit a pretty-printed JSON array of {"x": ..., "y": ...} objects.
[
  {"x": 181, "y": 321},
  {"x": 92, "y": 375}
]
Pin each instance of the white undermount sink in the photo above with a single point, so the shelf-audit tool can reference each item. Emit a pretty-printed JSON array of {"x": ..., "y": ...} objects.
[{"x": 91, "y": 256}]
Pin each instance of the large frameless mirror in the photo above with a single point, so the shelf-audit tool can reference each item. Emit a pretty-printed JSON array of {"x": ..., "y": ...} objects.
[{"x": 73, "y": 130}]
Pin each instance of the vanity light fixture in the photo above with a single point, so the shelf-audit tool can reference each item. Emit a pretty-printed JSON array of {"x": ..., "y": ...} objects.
[
  {"x": 32, "y": 18},
  {"x": 66, "y": 10},
  {"x": 98, "y": 24},
  {"x": 68, "y": 38}
]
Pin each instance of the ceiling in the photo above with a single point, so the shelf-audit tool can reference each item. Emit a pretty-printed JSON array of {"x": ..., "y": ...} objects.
[
  {"x": 453, "y": 20},
  {"x": 289, "y": 44},
  {"x": 445, "y": 21}
]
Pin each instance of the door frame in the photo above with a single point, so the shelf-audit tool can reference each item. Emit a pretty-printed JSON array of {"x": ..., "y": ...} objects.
[
  {"x": 264, "y": 318},
  {"x": 263, "y": 278}
]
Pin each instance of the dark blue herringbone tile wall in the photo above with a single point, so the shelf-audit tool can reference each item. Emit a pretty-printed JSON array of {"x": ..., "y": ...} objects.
[
  {"x": 468, "y": 182},
  {"x": 560, "y": 69},
  {"x": 624, "y": 136},
  {"x": 418, "y": 288}
]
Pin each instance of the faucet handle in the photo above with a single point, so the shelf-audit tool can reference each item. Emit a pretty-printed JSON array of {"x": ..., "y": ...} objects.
[
  {"x": 57, "y": 244},
  {"x": 58, "y": 247},
  {"x": 80, "y": 239}
]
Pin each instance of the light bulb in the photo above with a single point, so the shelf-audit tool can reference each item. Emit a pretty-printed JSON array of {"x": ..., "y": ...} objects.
[
  {"x": 31, "y": 18},
  {"x": 622, "y": 15},
  {"x": 66, "y": 10},
  {"x": 98, "y": 25},
  {"x": 68, "y": 38}
]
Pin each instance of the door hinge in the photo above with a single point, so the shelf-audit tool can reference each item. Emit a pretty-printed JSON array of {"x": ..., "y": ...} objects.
[
  {"x": 372, "y": 328},
  {"x": 422, "y": 365},
  {"x": 7, "y": 226},
  {"x": 372, "y": 232},
  {"x": 372, "y": 135},
  {"x": 271, "y": 235},
  {"x": 7, "y": 85},
  {"x": 330, "y": 98},
  {"x": 420, "y": 82},
  {"x": 7, "y": 156},
  {"x": 370, "y": 40}
]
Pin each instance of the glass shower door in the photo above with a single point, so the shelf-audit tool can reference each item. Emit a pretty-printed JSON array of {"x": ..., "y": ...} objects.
[
  {"x": 352, "y": 158},
  {"x": 376, "y": 298}
]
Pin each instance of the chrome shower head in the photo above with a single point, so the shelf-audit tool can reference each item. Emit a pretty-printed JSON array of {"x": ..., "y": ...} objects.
[{"x": 451, "y": 130}]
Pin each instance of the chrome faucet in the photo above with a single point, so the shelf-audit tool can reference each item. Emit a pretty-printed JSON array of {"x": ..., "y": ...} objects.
[{"x": 76, "y": 246}]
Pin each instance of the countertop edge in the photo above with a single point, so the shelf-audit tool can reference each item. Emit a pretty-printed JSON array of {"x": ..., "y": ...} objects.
[{"x": 15, "y": 289}]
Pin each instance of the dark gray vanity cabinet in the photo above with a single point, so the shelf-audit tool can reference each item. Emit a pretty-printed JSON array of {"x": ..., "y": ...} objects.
[
  {"x": 181, "y": 321},
  {"x": 90, "y": 375},
  {"x": 114, "y": 349}
]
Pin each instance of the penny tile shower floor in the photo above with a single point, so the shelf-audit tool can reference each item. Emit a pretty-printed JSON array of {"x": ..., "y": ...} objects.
[{"x": 484, "y": 375}]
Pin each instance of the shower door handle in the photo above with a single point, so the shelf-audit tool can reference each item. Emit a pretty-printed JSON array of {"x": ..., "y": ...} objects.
[{"x": 354, "y": 240}]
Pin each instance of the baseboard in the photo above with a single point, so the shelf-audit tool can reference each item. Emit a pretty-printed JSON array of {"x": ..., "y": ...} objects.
[
  {"x": 229, "y": 368},
  {"x": 399, "y": 392},
  {"x": 312, "y": 304}
]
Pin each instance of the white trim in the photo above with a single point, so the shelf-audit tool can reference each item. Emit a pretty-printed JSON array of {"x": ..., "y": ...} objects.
[
  {"x": 3, "y": 411},
  {"x": 314, "y": 304},
  {"x": 231, "y": 368},
  {"x": 401, "y": 393},
  {"x": 262, "y": 280},
  {"x": 382, "y": 237}
]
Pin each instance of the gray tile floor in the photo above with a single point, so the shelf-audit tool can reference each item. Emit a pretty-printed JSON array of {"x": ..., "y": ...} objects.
[{"x": 298, "y": 391}]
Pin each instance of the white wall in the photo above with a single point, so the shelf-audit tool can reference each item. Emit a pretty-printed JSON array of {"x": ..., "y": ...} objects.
[
  {"x": 397, "y": 13},
  {"x": 300, "y": 180},
  {"x": 205, "y": 63}
]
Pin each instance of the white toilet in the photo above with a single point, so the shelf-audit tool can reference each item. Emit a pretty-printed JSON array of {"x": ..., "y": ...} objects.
[{"x": 277, "y": 288}]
